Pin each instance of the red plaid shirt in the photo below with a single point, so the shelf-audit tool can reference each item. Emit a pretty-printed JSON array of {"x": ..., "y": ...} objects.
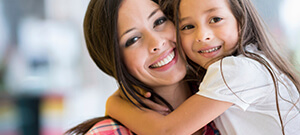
[{"x": 110, "y": 127}]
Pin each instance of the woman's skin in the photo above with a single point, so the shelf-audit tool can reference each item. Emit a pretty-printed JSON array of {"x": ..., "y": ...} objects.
[
  {"x": 196, "y": 111},
  {"x": 147, "y": 40},
  {"x": 148, "y": 44}
]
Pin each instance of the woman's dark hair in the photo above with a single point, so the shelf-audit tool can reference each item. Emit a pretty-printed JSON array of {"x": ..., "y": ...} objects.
[{"x": 101, "y": 36}]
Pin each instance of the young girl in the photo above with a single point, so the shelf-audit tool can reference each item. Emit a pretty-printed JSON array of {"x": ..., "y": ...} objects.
[
  {"x": 248, "y": 87},
  {"x": 134, "y": 42}
]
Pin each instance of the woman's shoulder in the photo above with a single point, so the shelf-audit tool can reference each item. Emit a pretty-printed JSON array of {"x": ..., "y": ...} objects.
[{"x": 109, "y": 127}]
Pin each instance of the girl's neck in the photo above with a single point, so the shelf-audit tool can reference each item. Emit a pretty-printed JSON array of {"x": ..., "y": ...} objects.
[{"x": 175, "y": 94}]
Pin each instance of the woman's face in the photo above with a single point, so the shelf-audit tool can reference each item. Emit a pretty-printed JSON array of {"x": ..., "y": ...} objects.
[{"x": 147, "y": 40}]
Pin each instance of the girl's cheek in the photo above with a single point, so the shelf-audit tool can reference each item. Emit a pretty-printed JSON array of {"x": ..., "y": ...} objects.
[{"x": 186, "y": 41}]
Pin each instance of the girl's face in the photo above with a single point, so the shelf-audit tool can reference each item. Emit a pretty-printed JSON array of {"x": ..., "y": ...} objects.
[
  {"x": 147, "y": 40},
  {"x": 208, "y": 29}
]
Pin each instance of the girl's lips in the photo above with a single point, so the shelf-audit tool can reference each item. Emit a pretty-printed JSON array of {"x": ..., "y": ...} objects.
[{"x": 211, "y": 52}]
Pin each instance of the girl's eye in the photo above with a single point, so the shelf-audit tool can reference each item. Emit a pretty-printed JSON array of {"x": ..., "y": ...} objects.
[
  {"x": 215, "y": 20},
  {"x": 187, "y": 27},
  {"x": 160, "y": 21},
  {"x": 131, "y": 41}
]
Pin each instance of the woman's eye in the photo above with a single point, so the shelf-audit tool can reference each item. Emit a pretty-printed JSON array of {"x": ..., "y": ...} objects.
[
  {"x": 131, "y": 41},
  {"x": 187, "y": 27},
  {"x": 215, "y": 20},
  {"x": 160, "y": 21}
]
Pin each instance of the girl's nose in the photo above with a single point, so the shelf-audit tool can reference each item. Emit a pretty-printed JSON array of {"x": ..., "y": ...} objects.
[
  {"x": 203, "y": 35},
  {"x": 202, "y": 39}
]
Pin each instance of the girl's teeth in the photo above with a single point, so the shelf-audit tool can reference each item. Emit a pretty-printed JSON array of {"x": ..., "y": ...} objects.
[
  {"x": 164, "y": 61},
  {"x": 210, "y": 50}
]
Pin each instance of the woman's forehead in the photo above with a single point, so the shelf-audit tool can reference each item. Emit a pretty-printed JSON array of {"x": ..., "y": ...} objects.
[
  {"x": 128, "y": 6},
  {"x": 134, "y": 13}
]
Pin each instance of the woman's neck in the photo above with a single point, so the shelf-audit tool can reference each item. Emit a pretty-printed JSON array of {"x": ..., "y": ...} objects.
[{"x": 175, "y": 94}]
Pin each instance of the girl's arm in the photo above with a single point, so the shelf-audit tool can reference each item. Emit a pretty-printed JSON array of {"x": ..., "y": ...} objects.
[
  {"x": 189, "y": 117},
  {"x": 164, "y": 110}
]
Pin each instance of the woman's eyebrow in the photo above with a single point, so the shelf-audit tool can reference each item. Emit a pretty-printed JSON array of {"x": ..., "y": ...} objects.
[
  {"x": 127, "y": 32},
  {"x": 152, "y": 13}
]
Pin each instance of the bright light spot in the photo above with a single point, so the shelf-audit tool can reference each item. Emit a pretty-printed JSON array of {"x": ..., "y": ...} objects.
[{"x": 290, "y": 12}]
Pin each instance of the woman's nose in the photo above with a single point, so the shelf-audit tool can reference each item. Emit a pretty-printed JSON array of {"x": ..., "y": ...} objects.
[{"x": 156, "y": 42}]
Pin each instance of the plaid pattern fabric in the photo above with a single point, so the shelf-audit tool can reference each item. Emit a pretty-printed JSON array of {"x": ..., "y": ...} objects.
[
  {"x": 110, "y": 127},
  {"x": 211, "y": 129}
]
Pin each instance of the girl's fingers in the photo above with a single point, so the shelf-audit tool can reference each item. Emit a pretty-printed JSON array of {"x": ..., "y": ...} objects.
[
  {"x": 152, "y": 105},
  {"x": 164, "y": 113},
  {"x": 156, "y": 107},
  {"x": 147, "y": 95}
]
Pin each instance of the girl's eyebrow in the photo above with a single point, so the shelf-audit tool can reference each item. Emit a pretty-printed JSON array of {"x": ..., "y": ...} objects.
[{"x": 205, "y": 12}]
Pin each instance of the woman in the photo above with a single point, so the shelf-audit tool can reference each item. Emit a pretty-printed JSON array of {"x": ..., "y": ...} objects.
[{"x": 134, "y": 42}]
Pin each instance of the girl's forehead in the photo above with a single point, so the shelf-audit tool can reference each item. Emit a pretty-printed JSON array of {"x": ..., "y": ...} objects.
[
  {"x": 189, "y": 8},
  {"x": 204, "y": 4}
]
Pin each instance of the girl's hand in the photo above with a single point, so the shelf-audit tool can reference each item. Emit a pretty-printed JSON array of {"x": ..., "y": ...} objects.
[
  {"x": 155, "y": 106},
  {"x": 152, "y": 105}
]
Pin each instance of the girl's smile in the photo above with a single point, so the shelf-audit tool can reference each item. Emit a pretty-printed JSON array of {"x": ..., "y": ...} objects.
[
  {"x": 211, "y": 52},
  {"x": 208, "y": 29}
]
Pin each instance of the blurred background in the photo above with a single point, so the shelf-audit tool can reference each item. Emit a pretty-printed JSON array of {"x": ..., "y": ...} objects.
[{"x": 48, "y": 83}]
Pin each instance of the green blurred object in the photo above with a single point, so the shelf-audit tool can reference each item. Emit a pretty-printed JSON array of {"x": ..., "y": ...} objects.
[{"x": 29, "y": 114}]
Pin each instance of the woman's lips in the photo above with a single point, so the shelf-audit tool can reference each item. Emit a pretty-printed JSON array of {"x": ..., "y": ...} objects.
[{"x": 164, "y": 61}]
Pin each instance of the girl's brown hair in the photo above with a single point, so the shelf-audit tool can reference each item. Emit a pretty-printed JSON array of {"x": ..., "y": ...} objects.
[
  {"x": 252, "y": 31},
  {"x": 101, "y": 36}
]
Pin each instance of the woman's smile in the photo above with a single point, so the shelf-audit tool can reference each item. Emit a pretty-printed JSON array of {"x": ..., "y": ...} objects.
[
  {"x": 164, "y": 60},
  {"x": 148, "y": 44}
]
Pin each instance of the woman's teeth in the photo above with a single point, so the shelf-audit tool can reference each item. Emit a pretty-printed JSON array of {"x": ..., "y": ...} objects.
[
  {"x": 210, "y": 50},
  {"x": 164, "y": 61}
]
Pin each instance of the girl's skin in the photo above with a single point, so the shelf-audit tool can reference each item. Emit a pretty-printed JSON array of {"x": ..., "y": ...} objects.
[
  {"x": 148, "y": 44},
  {"x": 208, "y": 30},
  {"x": 137, "y": 46}
]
